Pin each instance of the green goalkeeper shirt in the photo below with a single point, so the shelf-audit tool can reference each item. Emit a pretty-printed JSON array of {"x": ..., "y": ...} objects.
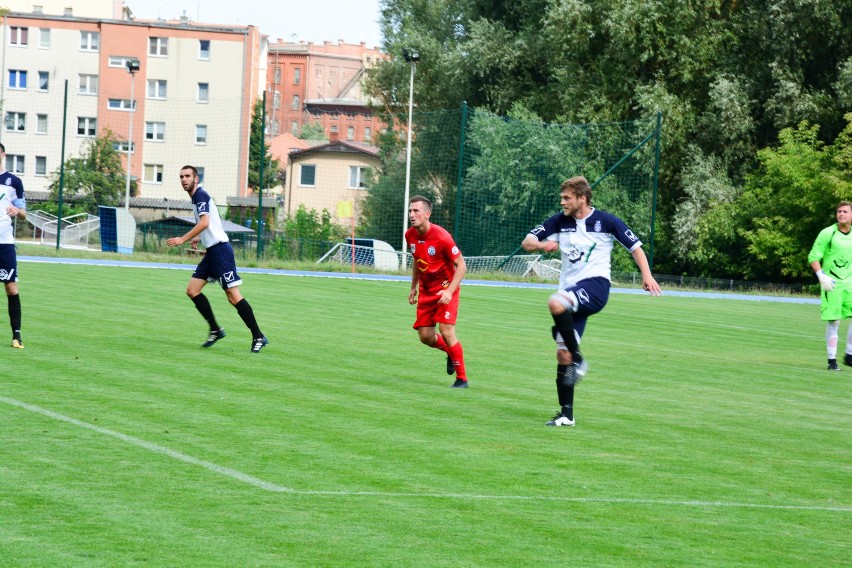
[{"x": 833, "y": 250}]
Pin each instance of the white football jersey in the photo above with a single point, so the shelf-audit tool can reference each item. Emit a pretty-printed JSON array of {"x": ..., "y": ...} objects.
[{"x": 586, "y": 244}]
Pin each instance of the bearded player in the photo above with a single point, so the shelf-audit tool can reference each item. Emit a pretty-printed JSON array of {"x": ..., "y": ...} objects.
[
  {"x": 218, "y": 264},
  {"x": 437, "y": 271}
]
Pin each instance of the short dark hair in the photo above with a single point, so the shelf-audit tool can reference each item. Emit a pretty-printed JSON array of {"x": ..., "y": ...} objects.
[
  {"x": 193, "y": 168},
  {"x": 2, "y": 148},
  {"x": 579, "y": 186},
  {"x": 421, "y": 199}
]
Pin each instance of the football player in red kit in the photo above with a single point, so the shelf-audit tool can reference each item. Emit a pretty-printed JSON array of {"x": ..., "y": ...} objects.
[{"x": 437, "y": 271}]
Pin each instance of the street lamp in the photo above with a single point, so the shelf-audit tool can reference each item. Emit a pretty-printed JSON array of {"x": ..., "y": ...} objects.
[
  {"x": 412, "y": 56},
  {"x": 132, "y": 68}
]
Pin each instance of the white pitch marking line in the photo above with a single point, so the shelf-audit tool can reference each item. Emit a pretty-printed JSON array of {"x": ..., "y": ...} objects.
[
  {"x": 267, "y": 486},
  {"x": 226, "y": 471}
]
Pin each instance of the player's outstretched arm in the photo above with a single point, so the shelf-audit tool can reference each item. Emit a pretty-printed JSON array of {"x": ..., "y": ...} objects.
[{"x": 649, "y": 284}]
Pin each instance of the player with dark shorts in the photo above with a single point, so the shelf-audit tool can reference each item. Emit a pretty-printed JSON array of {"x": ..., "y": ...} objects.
[
  {"x": 585, "y": 237},
  {"x": 218, "y": 264},
  {"x": 12, "y": 206},
  {"x": 436, "y": 274}
]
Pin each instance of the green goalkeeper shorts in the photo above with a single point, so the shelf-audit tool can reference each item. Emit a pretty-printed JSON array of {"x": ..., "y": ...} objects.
[{"x": 837, "y": 304}]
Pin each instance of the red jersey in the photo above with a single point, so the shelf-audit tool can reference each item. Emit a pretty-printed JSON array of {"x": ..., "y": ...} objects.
[{"x": 434, "y": 255}]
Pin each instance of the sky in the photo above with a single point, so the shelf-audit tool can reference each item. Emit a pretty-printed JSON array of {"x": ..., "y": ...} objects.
[{"x": 291, "y": 20}]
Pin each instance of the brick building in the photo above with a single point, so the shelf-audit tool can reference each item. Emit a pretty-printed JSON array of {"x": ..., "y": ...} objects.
[{"x": 308, "y": 82}]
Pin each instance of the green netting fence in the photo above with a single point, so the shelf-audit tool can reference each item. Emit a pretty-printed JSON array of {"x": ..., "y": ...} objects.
[{"x": 493, "y": 178}]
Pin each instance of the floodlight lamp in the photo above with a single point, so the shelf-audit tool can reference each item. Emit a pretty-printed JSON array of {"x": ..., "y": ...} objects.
[
  {"x": 411, "y": 55},
  {"x": 132, "y": 66}
]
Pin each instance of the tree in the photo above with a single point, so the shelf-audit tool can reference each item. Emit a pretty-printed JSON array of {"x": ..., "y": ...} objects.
[
  {"x": 96, "y": 177},
  {"x": 313, "y": 131},
  {"x": 728, "y": 76},
  {"x": 257, "y": 138}
]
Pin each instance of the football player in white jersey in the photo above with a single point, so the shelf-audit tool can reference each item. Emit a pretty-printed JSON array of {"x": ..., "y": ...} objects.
[
  {"x": 218, "y": 264},
  {"x": 12, "y": 206},
  {"x": 585, "y": 237}
]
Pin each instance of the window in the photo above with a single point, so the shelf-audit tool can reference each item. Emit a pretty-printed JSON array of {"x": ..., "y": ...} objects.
[
  {"x": 18, "y": 36},
  {"x": 295, "y": 103},
  {"x": 38, "y": 9},
  {"x": 203, "y": 92},
  {"x": 44, "y": 38},
  {"x": 201, "y": 134},
  {"x": 350, "y": 133},
  {"x": 297, "y": 76},
  {"x": 277, "y": 78},
  {"x": 68, "y": 11},
  {"x": 16, "y": 121},
  {"x": 17, "y": 79},
  {"x": 308, "y": 175},
  {"x": 368, "y": 134},
  {"x": 155, "y": 131},
  {"x": 204, "y": 49},
  {"x": 276, "y": 128},
  {"x": 120, "y": 104},
  {"x": 90, "y": 41},
  {"x": 122, "y": 147},
  {"x": 87, "y": 126},
  {"x": 156, "y": 89},
  {"x": 119, "y": 61},
  {"x": 158, "y": 46},
  {"x": 43, "y": 79},
  {"x": 153, "y": 173},
  {"x": 15, "y": 163},
  {"x": 333, "y": 128},
  {"x": 88, "y": 84},
  {"x": 294, "y": 128},
  {"x": 41, "y": 166},
  {"x": 200, "y": 171},
  {"x": 276, "y": 100},
  {"x": 357, "y": 175},
  {"x": 41, "y": 124}
]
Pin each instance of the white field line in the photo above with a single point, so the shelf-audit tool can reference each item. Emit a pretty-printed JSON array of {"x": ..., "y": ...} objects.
[
  {"x": 267, "y": 486},
  {"x": 162, "y": 450}
]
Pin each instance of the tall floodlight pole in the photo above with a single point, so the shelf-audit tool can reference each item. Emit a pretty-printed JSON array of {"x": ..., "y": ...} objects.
[
  {"x": 412, "y": 57},
  {"x": 132, "y": 68}
]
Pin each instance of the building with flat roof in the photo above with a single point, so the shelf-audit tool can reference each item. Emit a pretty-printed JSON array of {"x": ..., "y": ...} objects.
[
  {"x": 309, "y": 82},
  {"x": 189, "y": 102}
]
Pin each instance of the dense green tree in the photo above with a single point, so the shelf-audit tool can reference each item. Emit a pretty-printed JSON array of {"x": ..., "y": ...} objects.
[
  {"x": 271, "y": 166},
  {"x": 96, "y": 177},
  {"x": 728, "y": 76}
]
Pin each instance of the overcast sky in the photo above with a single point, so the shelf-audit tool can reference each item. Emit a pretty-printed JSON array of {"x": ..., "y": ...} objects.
[{"x": 291, "y": 20}]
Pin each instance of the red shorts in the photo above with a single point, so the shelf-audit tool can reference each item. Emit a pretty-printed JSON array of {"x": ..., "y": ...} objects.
[{"x": 430, "y": 312}]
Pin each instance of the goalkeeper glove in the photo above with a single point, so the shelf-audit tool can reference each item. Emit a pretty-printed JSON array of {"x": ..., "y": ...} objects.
[{"x": 825, "y": 281}]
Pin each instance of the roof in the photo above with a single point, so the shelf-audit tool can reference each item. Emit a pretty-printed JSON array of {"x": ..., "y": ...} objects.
[
  {"x": 339, "y": 146},
  {"x": 268, "y": 202},
  {"x": 228, "y": 226},
  {"x": 281, "y": 146}
]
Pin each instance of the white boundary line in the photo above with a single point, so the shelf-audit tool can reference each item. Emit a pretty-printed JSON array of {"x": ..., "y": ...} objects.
[{"x": 267, "y": 486}]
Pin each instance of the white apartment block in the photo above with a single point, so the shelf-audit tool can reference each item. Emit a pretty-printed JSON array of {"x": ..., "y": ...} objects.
[{"x": 193, "y": 94}]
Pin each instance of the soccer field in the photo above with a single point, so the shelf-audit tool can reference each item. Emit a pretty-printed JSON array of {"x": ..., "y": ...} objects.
[{"x": 708, "y": 431}]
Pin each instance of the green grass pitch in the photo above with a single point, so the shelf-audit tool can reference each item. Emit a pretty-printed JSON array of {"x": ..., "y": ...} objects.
[{"x": 708, "y": 431}]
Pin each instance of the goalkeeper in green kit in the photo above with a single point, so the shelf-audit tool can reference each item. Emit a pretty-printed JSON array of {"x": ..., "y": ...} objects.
[{"x": 831, "y": 260}]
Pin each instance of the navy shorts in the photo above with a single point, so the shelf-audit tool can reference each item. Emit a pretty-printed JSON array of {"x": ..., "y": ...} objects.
[
  {"x": 8, "y": 263},
  {"x": 592, "y": 295},
  {"x": 218, "y": 265}
]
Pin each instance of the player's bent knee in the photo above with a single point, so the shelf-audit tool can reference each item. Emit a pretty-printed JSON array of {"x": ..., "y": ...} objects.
[{"x": 561, "y": 301}]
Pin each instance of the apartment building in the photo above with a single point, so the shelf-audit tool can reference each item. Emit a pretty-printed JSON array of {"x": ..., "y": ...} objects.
[
  {"x": 186, "y": 98},
  {"x": 308, "y": 82}
]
